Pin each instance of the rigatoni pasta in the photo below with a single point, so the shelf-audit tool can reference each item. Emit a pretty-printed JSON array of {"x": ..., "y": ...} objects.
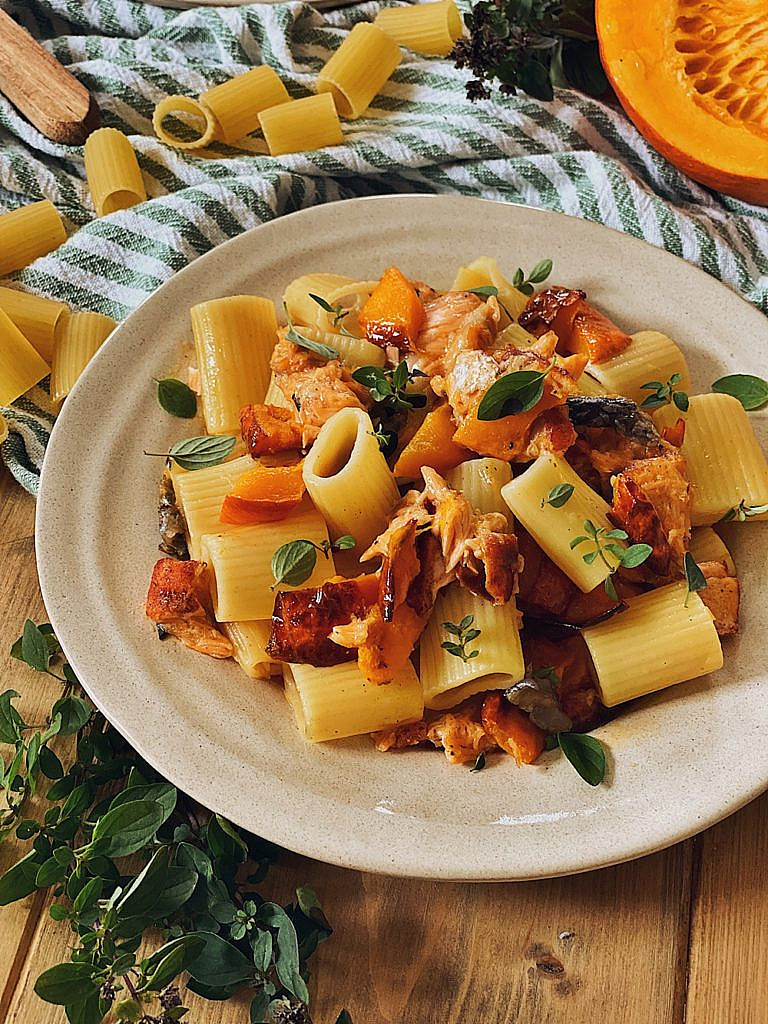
[
  {"x": 112, "y": 171},
  {"x": 21, "y": 366},
  {"x": 240, "y": 563},
  {"x": 651, "y": 356},
  {"x": 79, "y": 336},
  {"x": 348, "y": 478},
  {"x": 297, "y": 297},
  {"x": 199, "y": 122},
  {"x": 236, "y": 104},
  {"x": 484, "y": 272},
  {"x": 249, "y": 640},
  {"x": 28, "y": 232},
  {"x": 430, "y": 28},
  {"x": 359, "y": 68},
  {"x": 200, "y": 495},
  {"x": 556, "y": 530},
  {"x": 305, "y": 124},
  {"x": 234, "y": 338},
  {"x": 725, "y": 463},
  {"x": 35, "y": 316},
  {"x": 666, "y": 636},
  {"x": 336, "y": 702},
  {"x": 709, "y": 546}
]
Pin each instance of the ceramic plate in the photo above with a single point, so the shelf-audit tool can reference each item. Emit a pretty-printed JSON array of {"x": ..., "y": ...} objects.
[{"x": 679, "y": 761}]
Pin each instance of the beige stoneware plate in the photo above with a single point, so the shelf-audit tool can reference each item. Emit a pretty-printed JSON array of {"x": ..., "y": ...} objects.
[{"x": 678, "y": 761}]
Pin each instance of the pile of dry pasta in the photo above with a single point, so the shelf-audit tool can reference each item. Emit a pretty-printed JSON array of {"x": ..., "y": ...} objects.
[{"x": 40, "y": 336}]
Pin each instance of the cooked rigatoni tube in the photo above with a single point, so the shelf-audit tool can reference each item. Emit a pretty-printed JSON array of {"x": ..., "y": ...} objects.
[
  {"x": 555, "y": 529},
  {"x": 726, "y": 465},
  {"x": 78, "y": 339},
  {"x": 447, "y": 679},
  {"x": 200, "y": 494},
  {"x": 348, "y": 479},
  {"x": 587, "y": 385},
  {"x": 664, "y": 637},
  {"x": 301, "y": 125},
  {"x": 485, "y": 271},
  {"x": 298, "y": 301},
  {"x": 275, "y": 396},
  {"x": 234, "y": 338},
  {"x": 353, "y": 352},
  {"x": 35, "y": 317},
  {"x": 431, "y": 28},
  {"x": 31, "y": 231},
  {"x": 241, "y": 563},
  {"x": 652, "y": 356},
  {"x": 21, "y": 365},
  {"x": 249, "y": 640},
  {"x": 359, "y": 68},
  {"x": 513, "y": 334},
  {"x": 481, "y": 481},
  {"x": 236, "y": 104},
  {"x": 199, "y": 119},
  {"x": 112, "y": 170},
  {"x": 708, "y": 546},
  {"x": 332, "y": 703}
]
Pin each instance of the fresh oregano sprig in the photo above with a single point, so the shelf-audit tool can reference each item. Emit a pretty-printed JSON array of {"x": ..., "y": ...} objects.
[
  {"x": 742, "y": 512},
  {"x": 339, "y": 313},
  {"x": 464, "y": 634},
  {"x": 513, "y": 393},
  {"x": 199, "y": 452},
  {"x": 388, "y": 387},
  {"x": 694, "y": 577},
  {"x": 558, "y": 495},
  {"x": 602, "y": 541},
  {"x": 751, "y": 391},
  {"x": 663, "y": 394},
  {"x": 293, "y": 563},
  {"x": 525, "y": 282},
  {"x": 192, "y": 875},
  {"x": 585, "y": 753}
]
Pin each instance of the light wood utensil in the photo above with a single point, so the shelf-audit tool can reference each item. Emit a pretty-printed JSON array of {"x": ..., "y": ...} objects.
[{"x": 42, "y": 89}]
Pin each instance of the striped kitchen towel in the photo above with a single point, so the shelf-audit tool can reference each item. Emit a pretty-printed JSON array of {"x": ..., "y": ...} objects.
[{"x": 575, "y": 155}]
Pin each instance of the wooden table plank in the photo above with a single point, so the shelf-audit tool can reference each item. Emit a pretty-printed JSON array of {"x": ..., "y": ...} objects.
[{"x": 729, "y": 933}]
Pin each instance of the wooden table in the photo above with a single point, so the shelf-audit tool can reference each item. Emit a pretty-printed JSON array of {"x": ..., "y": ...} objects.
[{"x": 680, "y": 937}]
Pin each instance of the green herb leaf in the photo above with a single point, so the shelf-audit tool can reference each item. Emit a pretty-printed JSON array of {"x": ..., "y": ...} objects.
[
  {"x": 314, "y": 346},
  {"x": 344, "y": 1017},
  {"x": 742, "y": 512},
  {"x": 586, "y": 754},
  {"x": 202, "y": 452},
  {"x": 219, "y": 963},
  {"x": 167, "y": 962},
  {"x": 484, "y": 291},
  {"x": 694, "y": 576},
  {"x": 293, "y": 563},
  {"x": 66, "y": 983},
  {"x": 19, "y": 880},
  {"x": 50, "y": 765},
  {"x": 388, "y": 387},
  {"x": 541, "y": 271},
  {"x": 465, "y": 635},
  {"x": 512, "y": 394},
  {"x": 10, "y": 720},
  {"x": 74, "y": 714},
  {"x": 322, "y": 303},
  {"x": 558, "y": 496},
  {"x": 681, "y": 401},
  {"x": 34, "y": 648},
  {"x": 635, "y": 555},
  {"x": 751, "y": 391},
  {"x": 125, "y": 829},
  {"x": 177, "y": 398},
  {"x": 344, "y": 543}
]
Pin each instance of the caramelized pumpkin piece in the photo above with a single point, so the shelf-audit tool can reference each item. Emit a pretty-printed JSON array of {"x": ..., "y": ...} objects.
[
  {"x": 578, "y": 326},
  {"x": 512, "y": 729},
  {"x": 268, "y": 429},
  {"x": 432, "y": 445},
  {"x": 394, "y": 313},
  {"x": 303, "y": 619},
  {"x": 263, "y": 493}
]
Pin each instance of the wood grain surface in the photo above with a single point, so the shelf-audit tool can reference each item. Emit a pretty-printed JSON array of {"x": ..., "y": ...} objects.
[{"x": 680, "y": 937}]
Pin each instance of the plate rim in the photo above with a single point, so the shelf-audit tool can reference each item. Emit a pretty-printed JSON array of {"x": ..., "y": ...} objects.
[{"x": 318, "y": 841}]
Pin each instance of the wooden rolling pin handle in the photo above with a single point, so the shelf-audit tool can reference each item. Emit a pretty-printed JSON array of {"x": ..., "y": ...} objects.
[{"x": 43, "y": 90}]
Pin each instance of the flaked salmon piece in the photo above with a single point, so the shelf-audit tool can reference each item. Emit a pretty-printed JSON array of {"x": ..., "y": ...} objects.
[
  {"x": 722, "y": 596},
  {"x": 316, "y": 388},
  {"x": 461, "y": 736},
  {"x": 663, "y": 481},
  {"x": 578, "y": 325},
  {"x": 512, "y": 729},
  {"x": 632, "y": 512},
  {"x": 178, "y": 600},
  {"x": 454, "y": 322},
  {"x": 524, "y": 435},
  {"x": 401, "y": 736},
  {"x": 269, "y": 429}
]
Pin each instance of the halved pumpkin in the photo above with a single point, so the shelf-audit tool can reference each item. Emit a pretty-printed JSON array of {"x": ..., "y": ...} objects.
[{"x": 693, "y": 76}]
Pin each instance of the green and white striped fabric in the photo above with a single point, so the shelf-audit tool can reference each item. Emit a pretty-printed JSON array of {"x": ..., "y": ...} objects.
[{"x": 421, "y": 134}]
